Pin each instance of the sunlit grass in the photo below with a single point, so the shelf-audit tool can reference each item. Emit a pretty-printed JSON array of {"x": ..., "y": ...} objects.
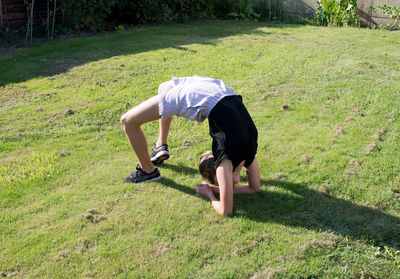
[{"x": 326, "y": 105}]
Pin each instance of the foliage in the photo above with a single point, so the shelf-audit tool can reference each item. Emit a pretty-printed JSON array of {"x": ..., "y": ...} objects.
[
  {"x": 97, "y": 15},
  {"x": 337, "y": 13},
  {"x": 4, "y": 33},
  {"x": 264, "y": 10},
  {"x": 273, "y": 10},
  {"x": 243, "y": 11},
  {"x": 222, "y": 8},
  {"x": 88, "y": 14},
  {"x": 132, "y": 11},
  {"x": 393, "y": 12}
]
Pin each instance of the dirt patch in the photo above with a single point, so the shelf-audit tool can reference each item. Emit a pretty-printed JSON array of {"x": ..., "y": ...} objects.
[
  {"x": 349, "y": 119},
  {"x": 324, "y": 190},
  {"x": 278, "y": 175},
  {"x": 354, "y": 168},
  {"x": 82, "y": 247},
  {"x": 126, "y": 196},
  {"x": 305, "y": 158},
  {"x": 62, "y": 254},
  {"x": 163, "y": 249},
  {"x": 88, "y": 216},
  {"x": 94, "y": 216},
  {"x": 185, "y": 144},
  {"x": 339, "y": 130},
  {"x": 244, "y": 249},
  {"x": 305, "y": 161},
  {"x": 268, "y": 273},
  {"x": 315, "y": 244},
  {"x": 10, "y": 274},
  {"x": 370, "y": 148},
  {"x": 377, "y": 135},
  {"x": 357, "y": 111},
  {"x": 63, "y": 153},
  {"x": 285, "y": 107},
  {"x": 69, "y": 112},
  {"x": 98, "y": 218},
  {"x": 93, "y": 211}
]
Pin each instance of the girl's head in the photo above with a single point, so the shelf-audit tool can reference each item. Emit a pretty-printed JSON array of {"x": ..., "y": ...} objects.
[{"x": 207, "y": 167}]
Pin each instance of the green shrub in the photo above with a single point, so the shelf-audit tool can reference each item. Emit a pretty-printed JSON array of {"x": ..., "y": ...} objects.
[
  {"x": 132, "y": 11},
  {"x": 222, "y": 8},
  {"x": 96, "y": 15},
  {"x": 273, "y": 10},
  {"x": 243, "y": 11},
  {"x": 393, "y": 12},
  {"x": 264, "y": 10},
  {"x": 88, "y": 14},
  {"x": 337, "y": 13}
]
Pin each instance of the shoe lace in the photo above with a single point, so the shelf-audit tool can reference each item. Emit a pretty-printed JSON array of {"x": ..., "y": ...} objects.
[{"x": 138, "y": 172}]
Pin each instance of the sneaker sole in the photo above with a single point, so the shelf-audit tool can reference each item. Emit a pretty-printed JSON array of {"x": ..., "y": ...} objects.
[
  {"x": 160, "y": 158},
  {"x": 151, "y": 180}
]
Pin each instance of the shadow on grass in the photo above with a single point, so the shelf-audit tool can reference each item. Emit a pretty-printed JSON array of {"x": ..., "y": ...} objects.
[
  {"x": 310, "y": 209},
  {"x": 56, "y": 57}
]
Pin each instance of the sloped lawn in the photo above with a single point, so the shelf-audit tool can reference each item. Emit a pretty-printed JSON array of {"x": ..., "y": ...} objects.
[{"x": 326, "y": 104}]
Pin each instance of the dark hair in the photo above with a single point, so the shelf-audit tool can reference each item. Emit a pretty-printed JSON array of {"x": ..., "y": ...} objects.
[{"x": 207, "y": 167}]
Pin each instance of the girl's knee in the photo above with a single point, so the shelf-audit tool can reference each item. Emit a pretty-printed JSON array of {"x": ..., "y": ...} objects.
[
  {"x": 123, "y": 120},
  {"x": 127, "y": 121}
]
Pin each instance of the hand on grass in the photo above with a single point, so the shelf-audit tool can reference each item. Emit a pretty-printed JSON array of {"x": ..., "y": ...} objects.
[{"x": 203, "y": 190}]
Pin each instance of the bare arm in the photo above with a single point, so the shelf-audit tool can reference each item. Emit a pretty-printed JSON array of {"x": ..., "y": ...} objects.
[
  {"x": 253, "y": 176},
  {"x": 236, "y": 173},
  {"x": 224, "y": 177}
]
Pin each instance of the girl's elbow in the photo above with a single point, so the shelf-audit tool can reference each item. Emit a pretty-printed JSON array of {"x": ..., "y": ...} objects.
[
  {"x": 255, "y": 187},
  {"x": 226, "y": 211},
  {"x": 223, "y": 210}
]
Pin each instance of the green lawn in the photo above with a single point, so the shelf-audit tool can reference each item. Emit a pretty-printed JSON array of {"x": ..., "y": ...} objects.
[{"x": 329, "y": 205}]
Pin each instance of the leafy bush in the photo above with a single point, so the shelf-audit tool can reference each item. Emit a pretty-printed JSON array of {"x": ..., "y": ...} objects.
[
  {"x": 222, "y": 8},
  {"x": 95, "y": 15},
  {"x": 337, "y": 13},
  {"x": 243, "y": 11},
  {"x": 132, "y": 11},
  {"x": 273, "y": 10},
  {"x": 98, "y": 15},
  {"x": 3, "y": 33},
  {"x": 393, "y": 12},
  {"x": 88, "y": 14}
]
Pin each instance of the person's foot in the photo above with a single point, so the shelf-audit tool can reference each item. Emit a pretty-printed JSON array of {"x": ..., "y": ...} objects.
[
  {"x": 140, "y": 176},
  {"x": 159, "y": 154}
]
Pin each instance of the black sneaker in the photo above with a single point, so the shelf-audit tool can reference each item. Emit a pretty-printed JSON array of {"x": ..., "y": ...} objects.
[
  {"x": 140, "y": 176},
  {"x": 159, "y": 154}
]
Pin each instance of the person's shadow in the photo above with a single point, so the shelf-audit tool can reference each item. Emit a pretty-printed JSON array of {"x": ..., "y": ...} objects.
[{"x": 310, "y": 209}]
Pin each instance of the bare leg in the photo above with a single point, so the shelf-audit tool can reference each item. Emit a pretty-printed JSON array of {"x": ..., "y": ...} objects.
[
  {"x": 131, "y": 122},
  {"x": 164, "y": 129},
  {"x": 166, "y": 123}
]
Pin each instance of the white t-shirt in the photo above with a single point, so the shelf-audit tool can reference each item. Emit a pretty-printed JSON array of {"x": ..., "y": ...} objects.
[{"x": 192, "y": 97}]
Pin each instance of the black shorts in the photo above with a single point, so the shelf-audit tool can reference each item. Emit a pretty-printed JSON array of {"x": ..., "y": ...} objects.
[{"x": 233, "y": 132}]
